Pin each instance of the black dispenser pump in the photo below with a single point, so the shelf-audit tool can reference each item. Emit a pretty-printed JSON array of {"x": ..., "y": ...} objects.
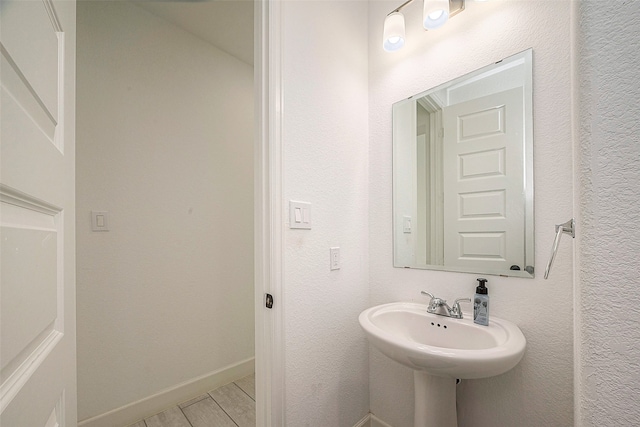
[{"x": 482, "y": 289}]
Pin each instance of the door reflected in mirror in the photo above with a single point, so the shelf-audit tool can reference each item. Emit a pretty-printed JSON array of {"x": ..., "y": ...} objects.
[{"x": 463, "y": 173}]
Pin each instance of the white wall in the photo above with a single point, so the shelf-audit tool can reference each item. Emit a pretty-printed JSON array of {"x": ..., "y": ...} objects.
[
  {"x": 608, "y": 331},
  {"x": 539, "y": 391},
  {"x": 325, "y": 162},
  {"x": 165, "y": 144}
]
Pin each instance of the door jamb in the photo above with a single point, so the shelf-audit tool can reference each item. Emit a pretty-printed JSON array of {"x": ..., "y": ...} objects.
[{"x": 268, "y": 210}]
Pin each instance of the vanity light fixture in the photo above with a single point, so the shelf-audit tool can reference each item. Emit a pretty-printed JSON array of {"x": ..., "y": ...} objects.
[
  {"x": 393, "y": 31},
  {"x": 435, "y": 13}
]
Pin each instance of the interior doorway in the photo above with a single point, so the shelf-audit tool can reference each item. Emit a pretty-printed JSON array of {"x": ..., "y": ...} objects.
[{"x": 166, "y": 154}]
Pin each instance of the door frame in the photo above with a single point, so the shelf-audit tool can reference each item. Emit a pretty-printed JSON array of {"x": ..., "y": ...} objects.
[{"x": 268, "y": 210}]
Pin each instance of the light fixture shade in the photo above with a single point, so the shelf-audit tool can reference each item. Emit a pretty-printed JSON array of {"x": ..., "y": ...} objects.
[
  {"x": 393, "y": 32},
  {"x": 435, "y": 13}
]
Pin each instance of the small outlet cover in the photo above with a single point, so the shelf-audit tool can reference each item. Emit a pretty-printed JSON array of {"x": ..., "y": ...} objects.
[{"x": 334, "y": 254}]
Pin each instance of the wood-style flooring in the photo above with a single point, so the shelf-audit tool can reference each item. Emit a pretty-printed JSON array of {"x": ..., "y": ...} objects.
[{"x": 232, "y": 405}]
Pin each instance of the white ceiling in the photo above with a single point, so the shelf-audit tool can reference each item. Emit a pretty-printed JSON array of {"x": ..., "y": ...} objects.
[{"x": 226, "y": 24}]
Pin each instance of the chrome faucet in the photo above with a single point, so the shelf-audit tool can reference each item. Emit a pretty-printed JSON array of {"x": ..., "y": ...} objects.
[{"x": 440, "y": 307}]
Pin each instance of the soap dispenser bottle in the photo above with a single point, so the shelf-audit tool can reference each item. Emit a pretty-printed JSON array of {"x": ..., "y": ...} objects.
[{"x": 481, "y": 304}]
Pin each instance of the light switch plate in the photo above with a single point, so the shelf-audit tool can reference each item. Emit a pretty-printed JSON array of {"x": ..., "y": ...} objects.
[
  {"x": 299, "y": 215},
  {"x": 406, "y": 224},
  {"x": 99, "y": 221}
]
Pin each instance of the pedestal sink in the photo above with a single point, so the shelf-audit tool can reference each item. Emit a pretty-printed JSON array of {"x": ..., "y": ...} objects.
[{"x": 440, "y": 350}]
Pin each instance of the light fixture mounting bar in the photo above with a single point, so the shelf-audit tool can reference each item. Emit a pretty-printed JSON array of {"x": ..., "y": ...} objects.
[
  {"x": 455, "y": 7},
  {"x": 400, "y": 7}
]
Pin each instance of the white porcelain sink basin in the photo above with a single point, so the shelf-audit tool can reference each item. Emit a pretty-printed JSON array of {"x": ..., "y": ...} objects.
[{"x": 443, "y": 346}]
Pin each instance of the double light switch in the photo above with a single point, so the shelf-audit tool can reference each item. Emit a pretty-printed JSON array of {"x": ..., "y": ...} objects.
[{"x": 299, "y": 215}]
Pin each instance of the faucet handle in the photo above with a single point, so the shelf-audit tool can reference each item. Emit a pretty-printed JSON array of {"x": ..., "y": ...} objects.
[
  {"x": 456, "y": 311},
  {"x": 429, "y": 294},
  {"x": 434, "y": 303}
]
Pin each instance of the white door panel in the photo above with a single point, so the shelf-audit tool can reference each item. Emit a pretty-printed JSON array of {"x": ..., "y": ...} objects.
[
  {"x": 32, "y": 42},
  {"x": 484, "y": 193},
  {"x": 37, "y": 261}
]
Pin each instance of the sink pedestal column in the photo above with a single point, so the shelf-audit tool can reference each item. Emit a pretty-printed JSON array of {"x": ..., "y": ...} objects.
[{"x": 435, "y": 401}]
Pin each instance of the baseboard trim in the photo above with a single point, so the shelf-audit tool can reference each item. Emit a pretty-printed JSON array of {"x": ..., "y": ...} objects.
[
  {"x": 377, "y": 422},
  {"x": 364, "y": 422},
  {"x": 371, "y": 420},
  {"x": 156, "y": 403}
]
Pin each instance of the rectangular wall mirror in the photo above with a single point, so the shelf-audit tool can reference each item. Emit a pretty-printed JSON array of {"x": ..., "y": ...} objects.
[{"x": 463, "y": 173}]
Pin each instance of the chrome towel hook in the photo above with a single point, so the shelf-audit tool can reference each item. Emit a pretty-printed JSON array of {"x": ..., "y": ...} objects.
[{"x": 568, "y": 227}]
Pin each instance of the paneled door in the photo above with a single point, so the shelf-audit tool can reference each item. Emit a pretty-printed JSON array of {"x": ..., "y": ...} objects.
[
  {"x": 484, "y": 195},
  {"x": 37, "y": 202}
]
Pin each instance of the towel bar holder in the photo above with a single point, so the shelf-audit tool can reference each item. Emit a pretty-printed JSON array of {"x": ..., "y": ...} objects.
[{"x": 569, "y": 228}]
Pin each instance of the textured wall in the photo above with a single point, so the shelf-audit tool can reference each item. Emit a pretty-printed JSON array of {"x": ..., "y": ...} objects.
[
  {"x": 165, "y": 144},
  {"x": 539, "y": 391},
  {"x": 325, "y": 149},
  {"x": 609, "y": 198}
]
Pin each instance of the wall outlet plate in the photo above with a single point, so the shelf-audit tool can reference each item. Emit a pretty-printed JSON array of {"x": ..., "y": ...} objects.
[{"x": 334, "y": 258}]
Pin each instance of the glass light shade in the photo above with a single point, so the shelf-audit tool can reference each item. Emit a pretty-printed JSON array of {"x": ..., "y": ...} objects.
[
  {"x": 435, "y": 13},
  {"x": 393, "y": 38}
]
